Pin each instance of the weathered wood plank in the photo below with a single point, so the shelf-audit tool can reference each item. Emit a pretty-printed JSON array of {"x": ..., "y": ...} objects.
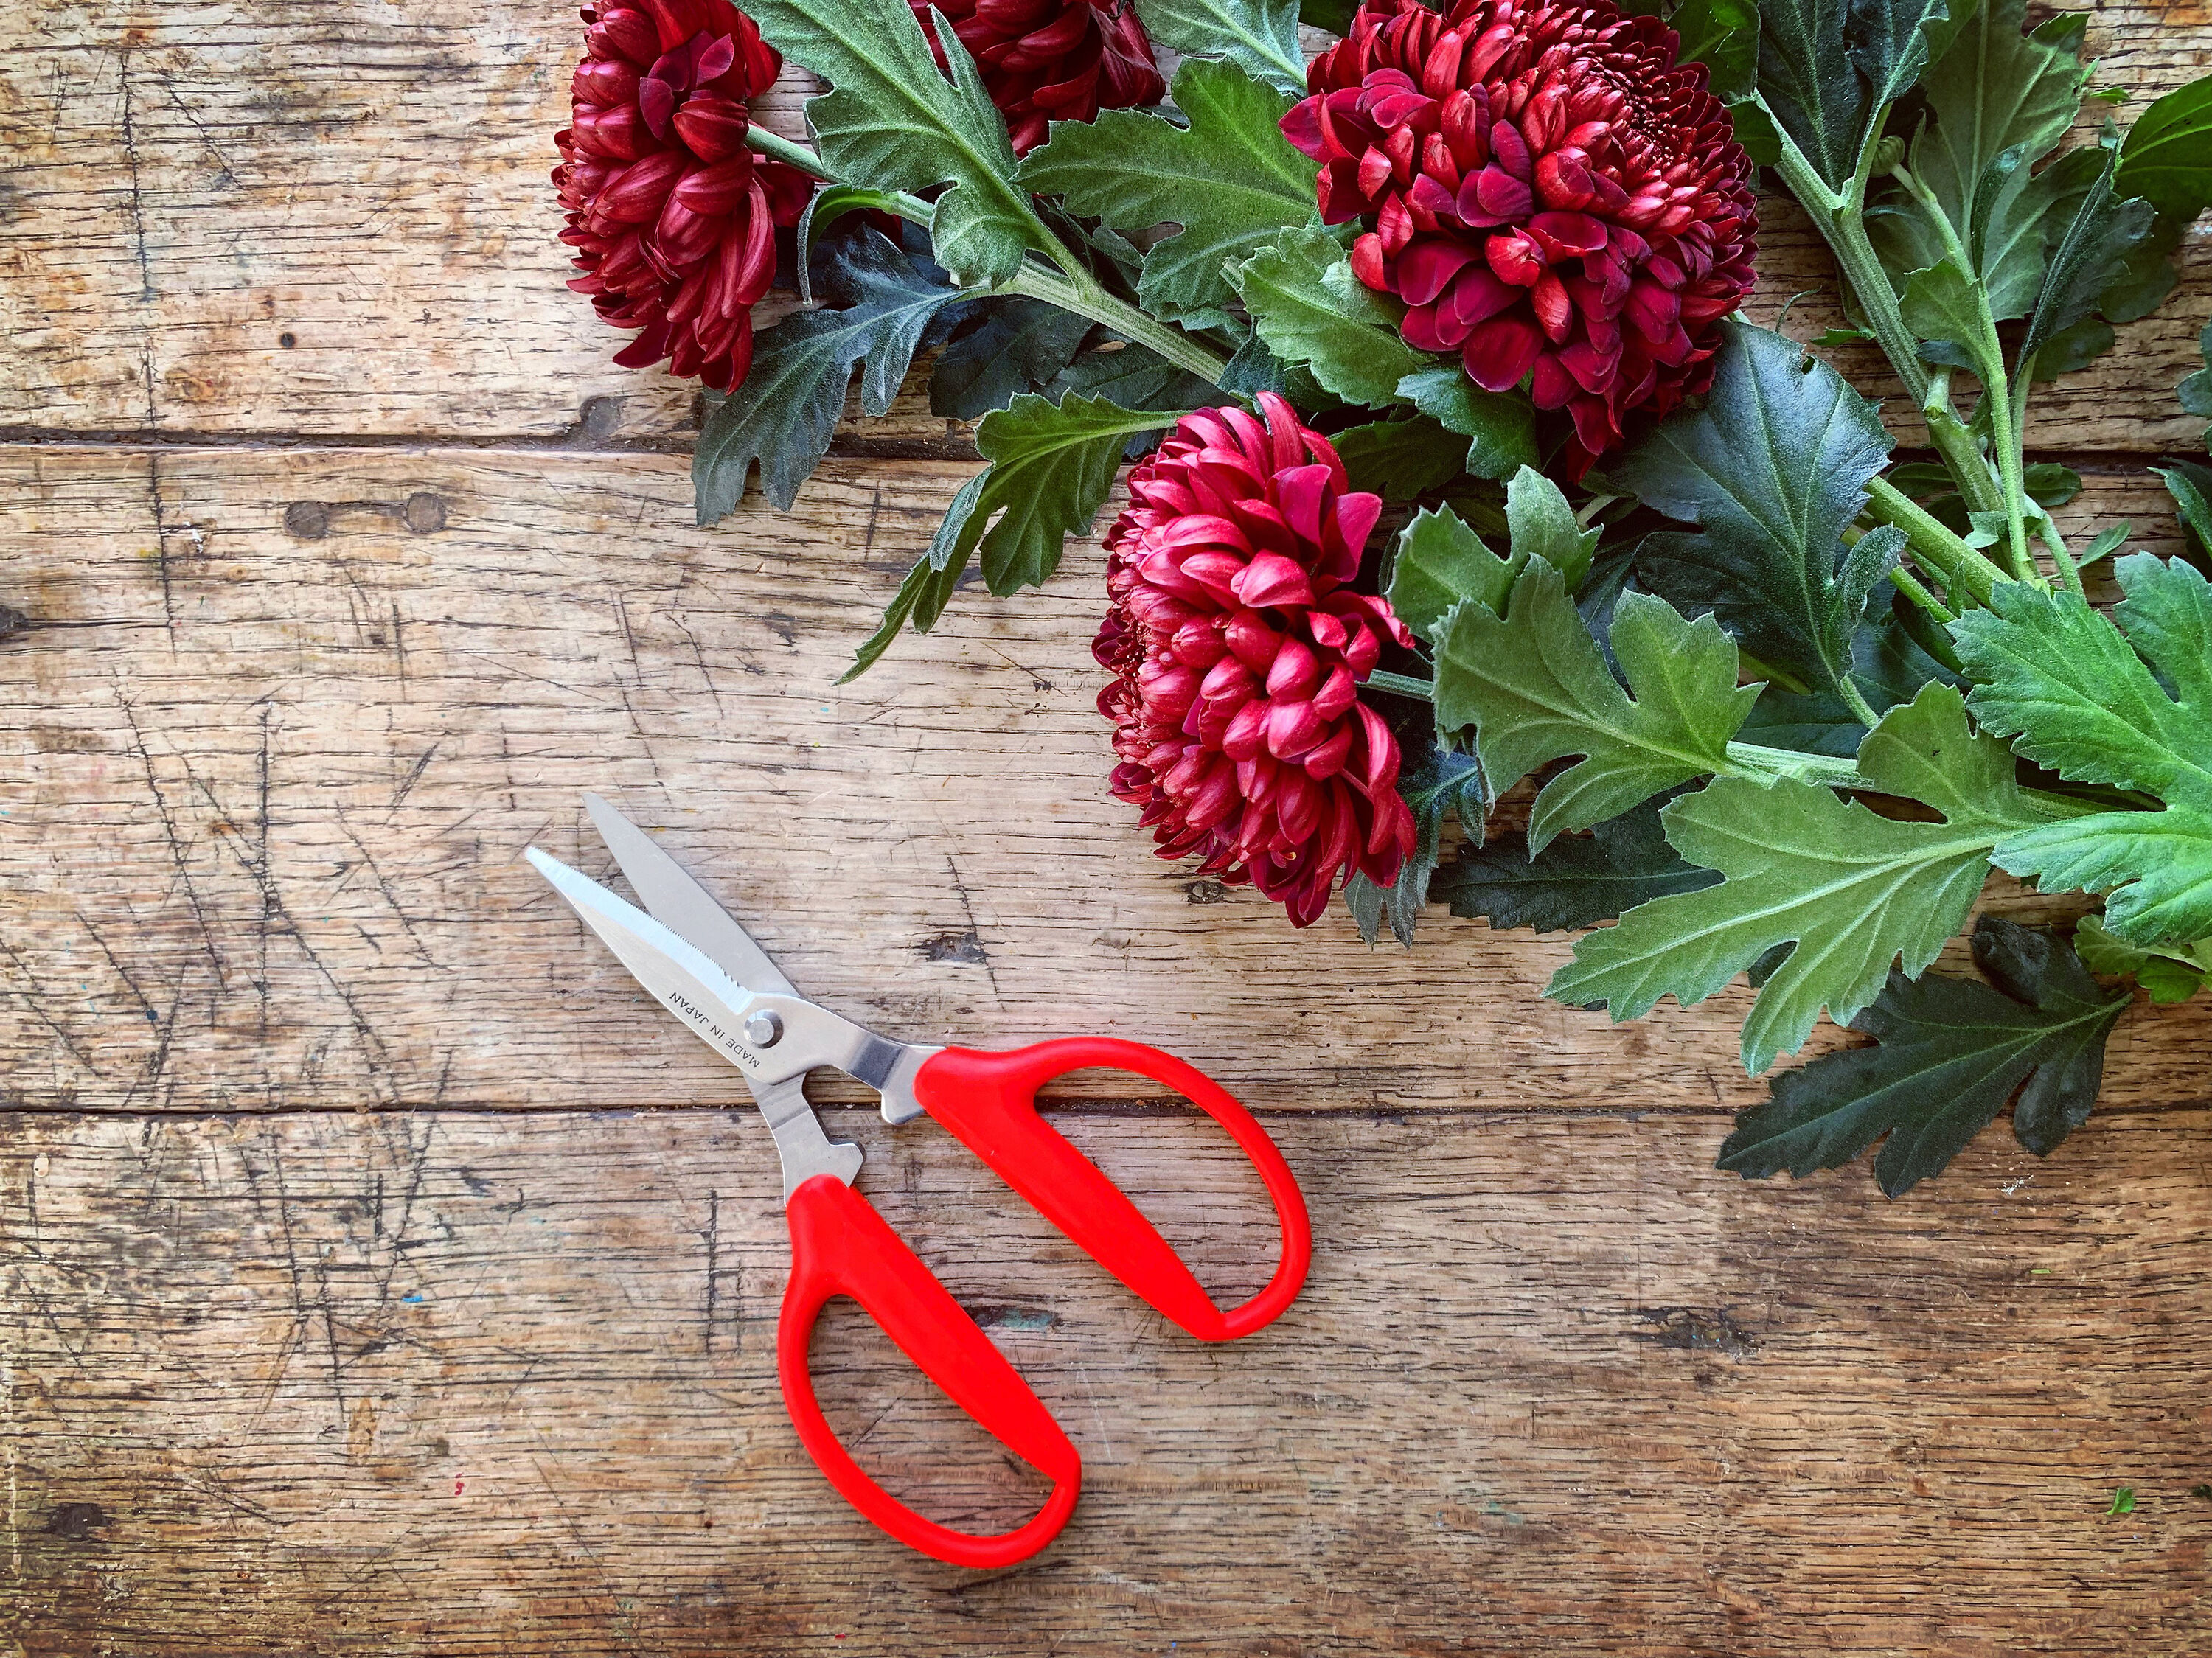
[
  {"x": 505, "y": 1384},
  {"x": 335, "y": 219},
  {"x": 290, "y": 719}
]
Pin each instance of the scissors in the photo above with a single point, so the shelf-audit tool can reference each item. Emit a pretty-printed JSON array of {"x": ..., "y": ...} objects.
[{"x": 705, "y": 969}]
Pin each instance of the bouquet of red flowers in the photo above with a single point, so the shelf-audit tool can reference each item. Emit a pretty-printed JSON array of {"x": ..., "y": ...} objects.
[{"x": 1455, "y": 468}]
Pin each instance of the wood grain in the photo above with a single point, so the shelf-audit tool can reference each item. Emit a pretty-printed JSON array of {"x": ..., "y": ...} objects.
[
  {"x": 414, "y": 1384},
  {"x": 283, "y": 742},
  {"x": 335, "y": 219}
]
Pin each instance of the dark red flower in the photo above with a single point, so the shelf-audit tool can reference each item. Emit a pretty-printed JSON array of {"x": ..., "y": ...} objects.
[
  {"x": 1051, "y": 60},
  {"x": 1550, "y": 192},
  {"x": 672, "y": 216},
  {"x": 1237, "y": 646}
]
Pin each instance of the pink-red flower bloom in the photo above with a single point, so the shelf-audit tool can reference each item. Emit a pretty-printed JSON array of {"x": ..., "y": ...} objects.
[
  {"x": 673, "y": 218},
  {"x": 1546, "y": 188},
  {"x": 1236, "y": 647},
  {"x": 1051, "y": 60}
]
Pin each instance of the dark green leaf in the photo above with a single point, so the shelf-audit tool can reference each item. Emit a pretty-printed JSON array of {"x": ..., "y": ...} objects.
[
  {"x": 1135, "y": 378},
  {"x": 1888, "y": 668},
  {"x": 1260, "y": 35},
  {"x": 1310, "y": 309},
  {"x": 783, "y": 412},
  {"x": 1775, "y": 467},
  {"x": 1854, "y": 891},
  {"x": 1399, "y": 459},
  {"x": 2085, "y": 258},
  {"x": 1435, "y": 784},
  {"x": 1229, "y": 178},
  {"x": 1826, "y": 67},
  {"x": 1502, "y": 427},
  {"x": 1723, "y": 36},
  {"x": 1536, "y": 688},
  {"x": 1577, "y": 881},
  {"x": 2061, "y": 681},
  {"x": 923, "y": 595},
  {"x": 895, "y": 120},
  {"x": 824, "y": 208},
  {"x": 1051, "y": 466},
  {"x": 1020, "y": 346},
  {"x": 1942, "y": 306},
  {"x": 2168, "y": 157},
  {"x": 2050, "y": 485},
  {"x": 1331, "y": 16},
  {"x": 2195, "y": 391},
  {"x": 1950, "y": 1052},
  {"x": 1439, "y": 562}
]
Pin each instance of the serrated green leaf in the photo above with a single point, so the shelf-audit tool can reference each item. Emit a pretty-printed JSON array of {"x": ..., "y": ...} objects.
[
  {"x": 1230, "y": 179},
  {"x": 1345, "y": 332},
  {"x": 784, "y": 410},
  {"x": 2081, "y": 699},
  {"x": 1577, "y": 881},
  {"x": 1501, "y": 427},
  {"x": 1942, "y": 306},
  {"x": 1052, "y": 464},
  {"x": 895, "y": 120},
  {"x": 1543, "y": 525},
  {"x": 1536, "y": 688},
  {"x": 2190, "y": 486},
  {"x": 1259, "y": 35},
  {"x": 2172, "y": 973},
  {"x": 1135, "y": 378},
  {"x": 922, "y": 597},
  {"x": 1435, "y": 783},
  {"x": 1399, "y": 459},
  {"x": 1439, "y": 562},
  {"x": 1950, "y": 1052},
  {"x": 1021, "y": 344},
  {"x": 2168, "y": 157},
  {"x": 1775, "y": 467},
  {"x": 1852, "y": 891},
  {"x": 1827, "y": 67}
]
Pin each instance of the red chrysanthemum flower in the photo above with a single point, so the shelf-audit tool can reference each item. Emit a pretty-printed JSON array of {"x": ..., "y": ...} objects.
[
  {"x": 1051, "y": 60},
  {"x": 1547, "y": 189},
  {"x": 1237, "y": 646},
  {"x": 673, "y": 217}
]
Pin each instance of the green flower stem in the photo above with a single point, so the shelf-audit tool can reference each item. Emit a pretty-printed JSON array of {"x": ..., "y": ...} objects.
[
  {"x": 1960, "y": 569},
  {"x": 1073, "y": 289},
  {"x": 1399, "y": 685},
  {"x": 1906, "y": 583},
  {"x": 1981, "y": 489},
  {"x": 1083, "y": 295}
]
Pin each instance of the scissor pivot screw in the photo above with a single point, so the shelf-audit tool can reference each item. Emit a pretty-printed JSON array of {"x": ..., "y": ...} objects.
[{"x": 764, "y": 1029}]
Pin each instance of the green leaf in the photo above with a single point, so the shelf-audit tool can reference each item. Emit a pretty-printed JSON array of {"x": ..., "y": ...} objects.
[
  {"x": 894, "y": 120},
  {"x": 1259, "y": 35},
  {"x": 1502, "y": 426},
  {"x": 2061, "y": 681},
  {"x": 1310, "y": 309},
  {"x": 1436, "y": 783},
  {"x": 1577, "y": 881},
  {"x": 2174, "y": 973},
  {"x": 1775, "y": 467},
  {"x": 2124, "y": 1500},
  {"x": 1942, "y": 306},
  {"x": 1827, "y": 67},
  {"x": 1399, "y": 459},
  {"x": 1535, "y": 687},
  {"x": 785, "y": 410},
  {"x": 2168, "y": 157},
  {"x": 1723, "y": 36},
  {"x": 1135, "y": 378},
  {"x": 1852, "y": 891},
  {"x": 1230, "y": 179},
  {"x": 1331, "y": 16},
  {"x": 824, "y": 208},
  {"x": 1889, "y": 669},
  {"x": 1021, "y": 344},
  {"x": 923, "y": 595},
  {"x": 1052, "y": 464},
  {"x": 2190, "y": 486},
  {"x": 2195, "y": 391},
  {"x": 1543, "y": 526},
  {"x": 1950, "y": 1052},
  {"x": 1440, "y": 563},
  {"x": 2085, "y": 258}
]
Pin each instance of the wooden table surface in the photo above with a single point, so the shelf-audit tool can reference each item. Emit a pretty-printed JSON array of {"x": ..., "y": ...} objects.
[{"x": 380, "y": 1274}]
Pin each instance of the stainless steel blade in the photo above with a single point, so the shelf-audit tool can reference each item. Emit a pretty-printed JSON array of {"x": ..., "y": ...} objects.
[
  {"x": 681, "y": 904},
  {"x": 718, "y": 1009}
]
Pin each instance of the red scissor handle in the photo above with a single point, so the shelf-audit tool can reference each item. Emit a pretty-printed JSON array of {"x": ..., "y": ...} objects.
[
  {"x": 988, "y": 1101},
  {"x": 840, "y": 1246}
]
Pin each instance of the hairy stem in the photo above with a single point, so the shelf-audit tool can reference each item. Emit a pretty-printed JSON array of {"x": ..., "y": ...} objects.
[
  {"x": 777, "y": 147},
  {"x": 1979, "y": 486},
  {"x": 1399, "y": 685},
  {"x": 1959, "y": 567},
  {"x": 1906, "y": 583}
]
